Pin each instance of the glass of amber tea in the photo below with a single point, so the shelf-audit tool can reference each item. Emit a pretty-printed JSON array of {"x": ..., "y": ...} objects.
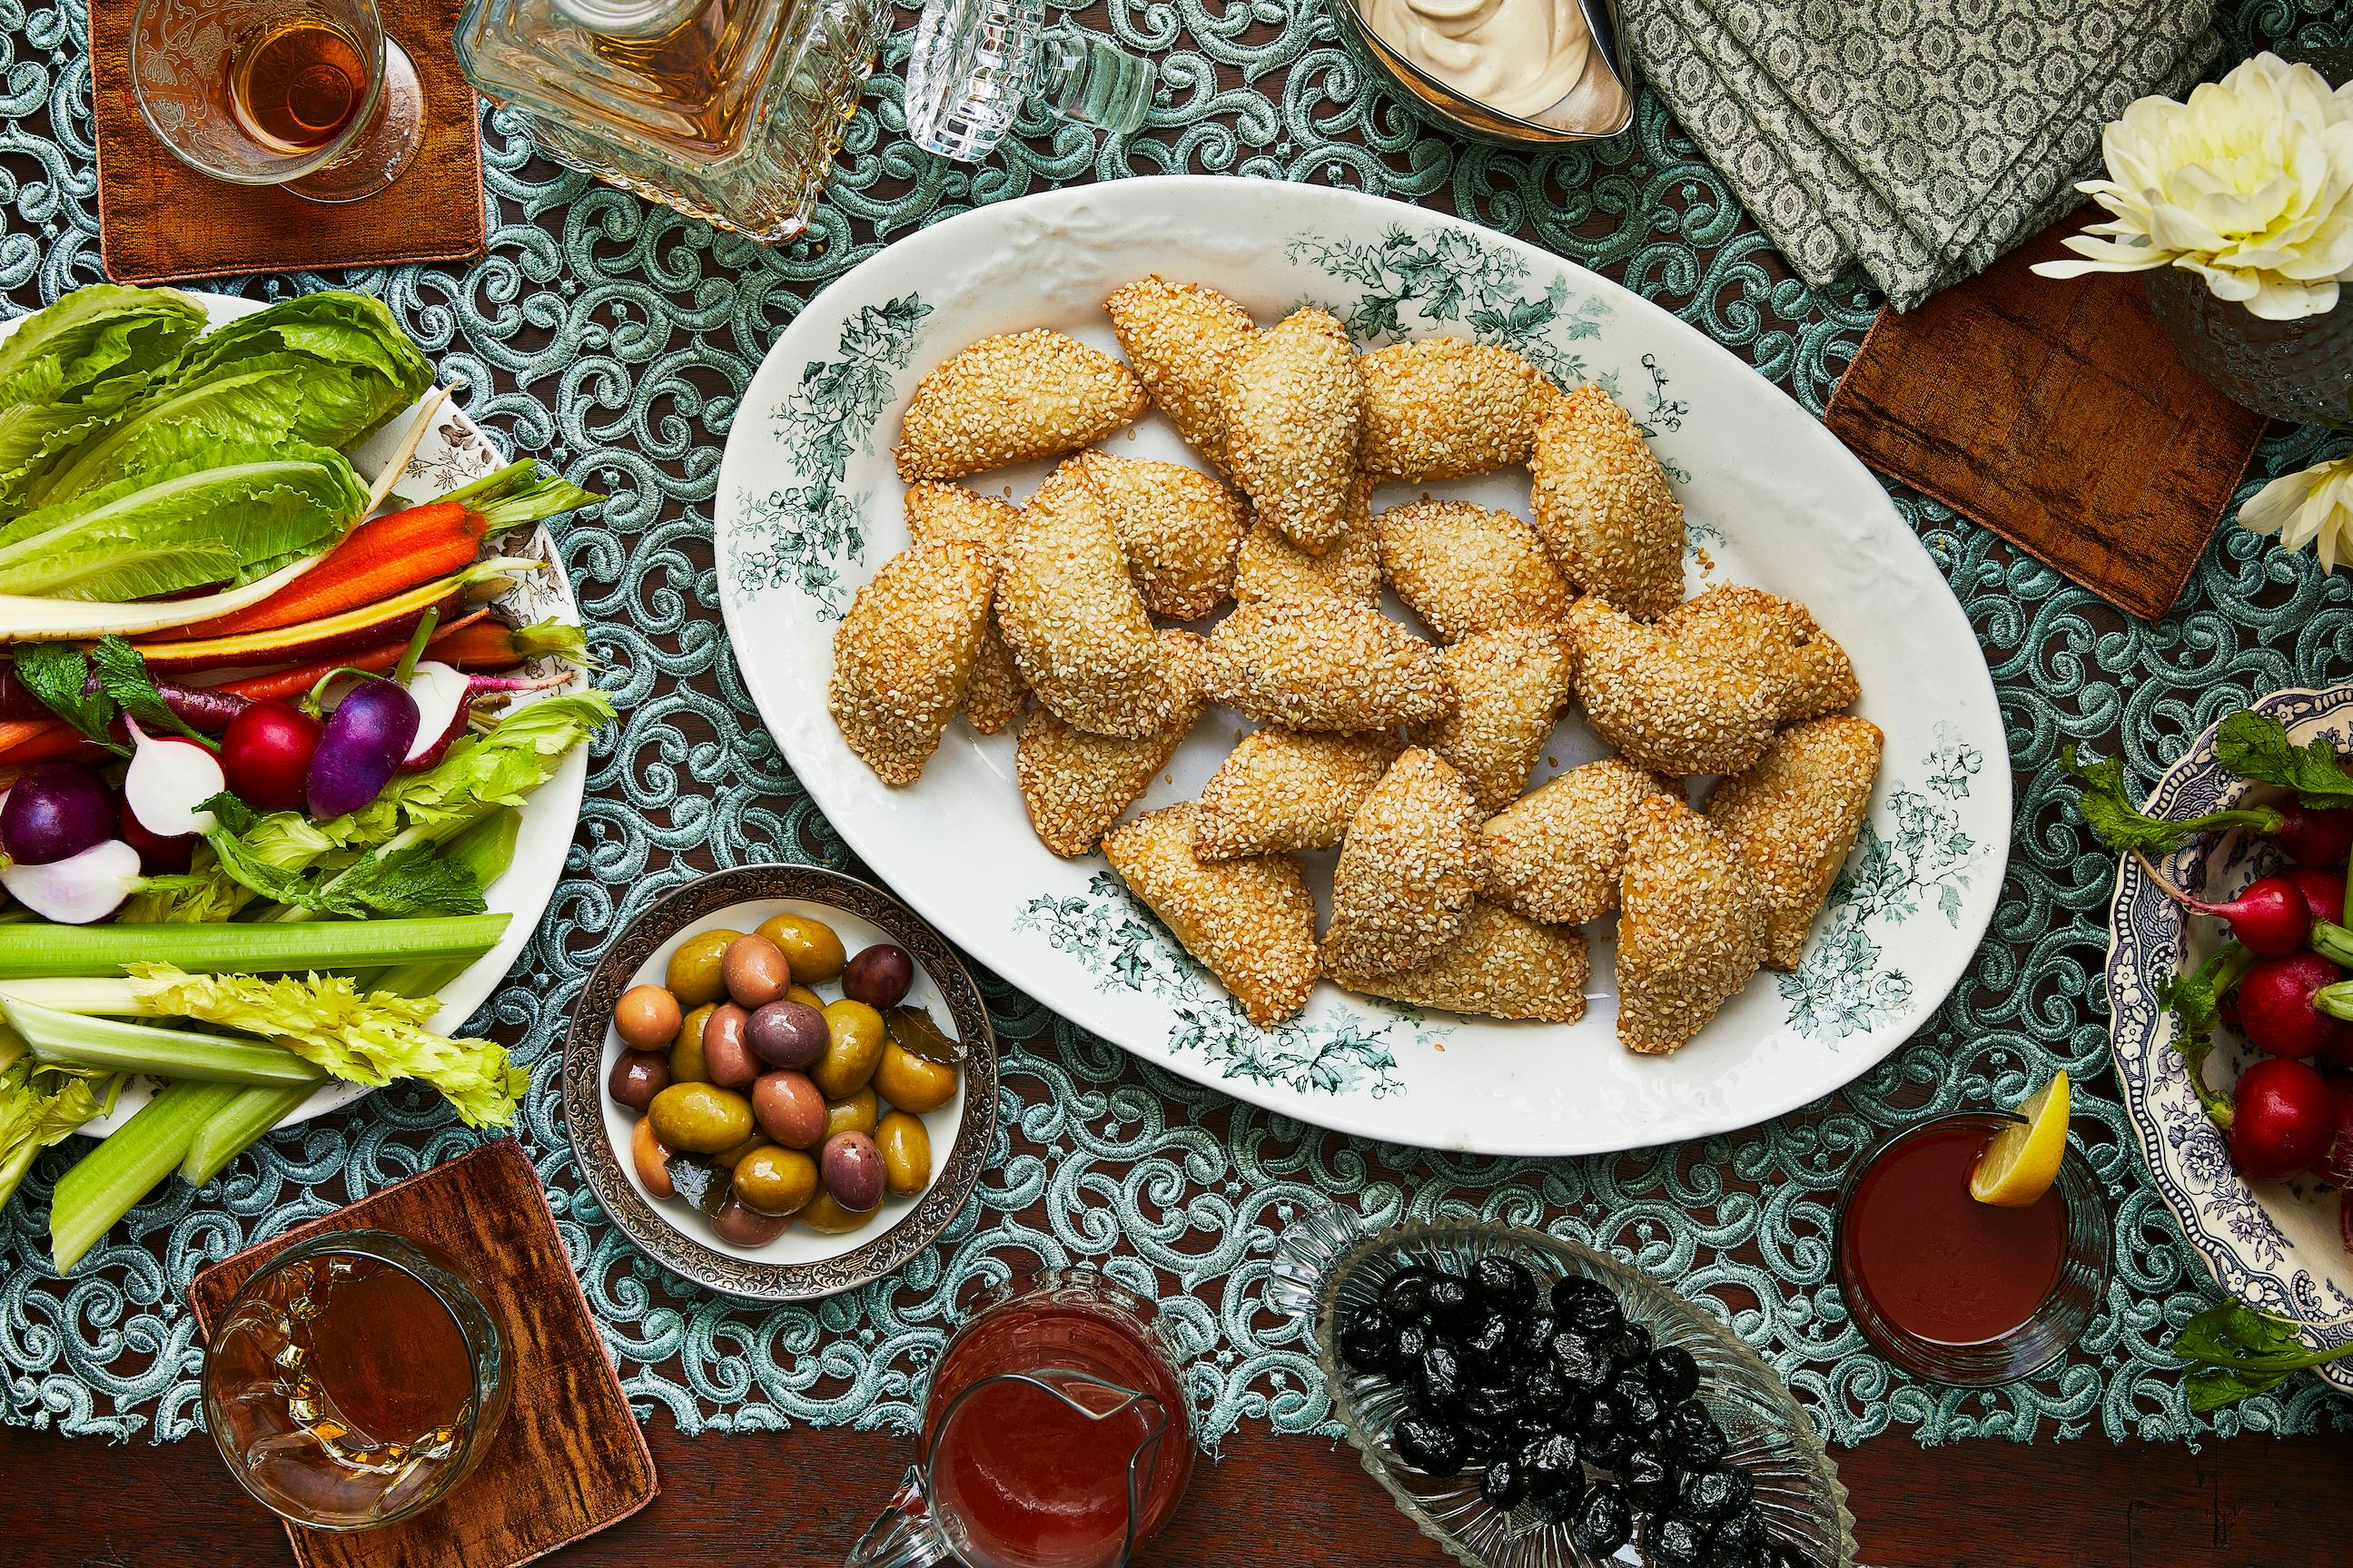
[
  {"x": 354, "y": 1380},
  {"x": 305, "y": 94}
]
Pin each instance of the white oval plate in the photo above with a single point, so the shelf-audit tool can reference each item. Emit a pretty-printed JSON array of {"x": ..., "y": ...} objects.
[
  {"x": 2276, "y": 1244},
  {"x": 809, "y": 507},
  {"x": 453, "y": 452}
]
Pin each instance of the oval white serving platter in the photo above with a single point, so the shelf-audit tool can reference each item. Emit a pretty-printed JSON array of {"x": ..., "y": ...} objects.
[{"x": 809, "y": 507}]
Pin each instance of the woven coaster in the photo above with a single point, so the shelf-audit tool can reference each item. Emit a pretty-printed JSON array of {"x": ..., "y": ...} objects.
[
  {"x": 160, "y": 220},
  {"x": 568, "y": 1459},
  {"x": 2056, "y": 414}
]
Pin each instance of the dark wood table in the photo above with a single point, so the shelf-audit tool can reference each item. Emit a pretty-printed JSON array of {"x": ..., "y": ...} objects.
[{"x": 797, "y": 1499}]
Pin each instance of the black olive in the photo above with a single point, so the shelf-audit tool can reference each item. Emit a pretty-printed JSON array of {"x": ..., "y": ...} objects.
[
  {"x": 1551, "y": 1508},
  {"x": 1577, "y": 1357},
  {"x": 1429, "y": 1442},
  {"x": 1692, "y": 1440},
  {"x": 1642, "y": 1409},
  {"x": 1604, "y": 1522},
  {"x": 1454, "y": 1304},
  {"x": 1599, "y": 1414},
  {"x": 1548, "y": 1461},
  {"x": 1720, "y": 1553},
  {"x": 1504, "y": 1284},
  {"x": 1489, "y": 1339},
  {"x": 1405, "y": 1351},
  {"x": 1494, "y": 1405},
  {"x": 1610, "y": 1449},
  {"x": 1575, "y": 1287},
  {"x": 1406, "y": 1297},
  {"x": 1673, "y": 1373},
  {"x": 1544, "y": 1390},
  {"x": 1742, "y": 1532},
  {"x": 1366, "y": 1339},
  {"x": 1438, "y": 1375},
  {"x": 1504, "y": 1486},
  {"x": 1629, "y": 1350},
  {"x": 1713, "y": 1494},
  {"x": 1676, "y": 1542},
  {"x": 1532, "y": 1335},
  {"x": 1649, "y": 1480},
  {"x": 1596, "y": 1315},
  {"x": 1485, "y": 1440}
]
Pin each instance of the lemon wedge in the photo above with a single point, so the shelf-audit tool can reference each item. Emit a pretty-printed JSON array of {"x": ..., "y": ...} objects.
[{"x": 2020, "y": 1162}]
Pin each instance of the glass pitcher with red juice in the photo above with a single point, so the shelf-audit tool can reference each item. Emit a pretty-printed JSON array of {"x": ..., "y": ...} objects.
[{"x": 1056, "y": 1434}]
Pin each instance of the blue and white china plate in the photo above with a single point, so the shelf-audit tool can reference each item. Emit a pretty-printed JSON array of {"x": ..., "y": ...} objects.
[
  {"x": 808, "y": 507},
  {"x": 2275, "y": 1245}
]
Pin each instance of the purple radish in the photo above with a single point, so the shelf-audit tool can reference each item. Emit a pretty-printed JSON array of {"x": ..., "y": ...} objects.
[
  {"x": 2282, "y": 1002},
  {"x": 2315, "y": 836},
  {"x": 79, "y": 889},
  {"x": 2271, "y": 919},
  {"x": 371, "y": 730},
  {"x": 199, "y": 706},
  {"x": 55, "y": 812},
  {"x": 168, "y": 783}
]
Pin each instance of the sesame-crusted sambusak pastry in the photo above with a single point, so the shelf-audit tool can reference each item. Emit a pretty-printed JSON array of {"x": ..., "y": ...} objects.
[
  {"x": 1664, "y": 706},
  {"x": 1603, "y": 505},
  {"x": 1269, "y": 566},
  {"x": 1014, "y": 399},
  {"x": 1251, "y": 920},
  {"x": 1179, "y": 526},
  {"x": 1500, "y": 966},
  {"x": 1182, "y": 339},
  {"x": 1801, "y": 665},
  {"x": 1279, "y": 789},
  {"x": 1555, "y": 855},
  {"x": 1446, "y": 408},
  {"x": 1510, "y": 687},
  {"x": 1690, "y": 934},
  {"x": 903, "y": 655},
  {"x": 1292, "y": 407},
  {"x": 1408, "y": 871},
  {"x": 1325, "y": 665},
  {"x": 1464, "y": 569},
  {"x": 995, "y": 695},
  {"x": 1793, "y": 818},
  {"x": 1075, "y": 785},
  {"x": 1078, "y": 630}
]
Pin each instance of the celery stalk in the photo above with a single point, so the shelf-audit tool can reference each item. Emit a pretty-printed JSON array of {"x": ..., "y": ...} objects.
[
  {"x": 69, "y": 1039},
  {"x": 110, "y": 1179},
  {"x": 237, "y": 1127},
  {"x": 486, "y": 848},
  {"x": 242, "y": 948}
]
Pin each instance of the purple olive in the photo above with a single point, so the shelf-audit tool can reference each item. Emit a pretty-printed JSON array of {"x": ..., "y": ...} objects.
[
  {"x": 853, "y": 1171},
  {"x": 878, "y": 976},
  {"x": 787, "y": 1034},
  {"x": 740, "y": 1224},
  {"x": 638, "y": 1077},
  {"x": 366, "y": 737},
  {"x": 55, "y": 812}
]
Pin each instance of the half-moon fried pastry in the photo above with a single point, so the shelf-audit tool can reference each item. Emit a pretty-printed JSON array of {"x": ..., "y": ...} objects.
[
  {"x": 1661, "y": 704},
  {"x": 1602, "y": 504},
  {"x": 1327, "y": 666},
  {"x": 1292, "y": 408},
  {"x": 1804, "y": 671},
  {"x": 1556, "y": 854},
  {"x": 1464, "y": 569},
  {"x": 1014, "y": 399},
  {"x": 1510, "y": 686},
  {"x": 1500, "y": 966},
  {"x": 1178, "y": 527},
  {"x": 1445, "y": 408},
  {"x": 903, "y": 655},
  {"x": 1690, "y": 934},
  {"x": 1793, "y": 818},
  {"x": 1279, "y": 789},
  {"x": 1182, "y": 339}
]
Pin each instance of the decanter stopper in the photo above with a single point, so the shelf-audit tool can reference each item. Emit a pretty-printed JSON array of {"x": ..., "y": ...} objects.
[{"x": 975, "y": 62}]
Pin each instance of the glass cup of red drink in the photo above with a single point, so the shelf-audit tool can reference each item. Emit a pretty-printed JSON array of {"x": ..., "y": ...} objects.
[
  {"x": 1958, "y": 1292},
  {"x": 1056, "y": 1434}
]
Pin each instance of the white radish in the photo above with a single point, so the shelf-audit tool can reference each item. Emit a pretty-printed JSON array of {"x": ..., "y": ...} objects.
[
  {"x": 439, "y": 691},
  {"x": 168, "y": 780},
  {"x": 80, "y": 888}
]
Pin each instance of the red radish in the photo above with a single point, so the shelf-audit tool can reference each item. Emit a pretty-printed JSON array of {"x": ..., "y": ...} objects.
[
  {"x": 2275, "y": 1006},
  {"x": 2270, "y": 918},
  {"x": 158, "y": 856},
  {"x": 2283, "y": 1120},
  {"x": 2315, "y": 836},
  {"x": 79, "y": 889},
  {"x": 168, "y": 783},
  {"x": 2338, "y": 1165},
  {"x": 266, "y": 754},
  {"x": 2323, "y": 890}
]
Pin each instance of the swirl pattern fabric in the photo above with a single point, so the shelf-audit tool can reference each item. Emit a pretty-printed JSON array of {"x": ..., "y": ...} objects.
[{"x": 612, "y": 339}]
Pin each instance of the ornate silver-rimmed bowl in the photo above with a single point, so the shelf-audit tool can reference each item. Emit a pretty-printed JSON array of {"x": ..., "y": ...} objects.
[
  {"x": 1600, "y": 104},
  {"x": 801, "y": 1264},
  {"x": 2274, "y": 1243},
  {"x": 1328, "y": 1264}
]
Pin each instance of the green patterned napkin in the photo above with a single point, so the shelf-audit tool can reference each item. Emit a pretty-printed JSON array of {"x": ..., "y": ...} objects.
[{"x": 1918, "y": 139}]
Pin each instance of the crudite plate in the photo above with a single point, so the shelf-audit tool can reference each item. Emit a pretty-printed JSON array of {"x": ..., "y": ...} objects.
[{"x": 809, "y": 507}]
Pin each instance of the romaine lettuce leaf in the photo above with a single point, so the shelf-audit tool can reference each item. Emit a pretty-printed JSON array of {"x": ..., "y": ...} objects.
[{"x": 68, "y": 369}]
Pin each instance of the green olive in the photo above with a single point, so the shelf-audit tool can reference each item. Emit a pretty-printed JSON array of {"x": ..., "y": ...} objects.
[
  {"x": 909, "y": 1082},
  {"x": 806, "y": 997},
  {"x": 853, "y": 1045},
  {"x": 776, "y": 1181},
  {"x": 686, "y": 1063},
  {"x": 700, "y": 1118},
  {"x": 906, "y": 1153},
  {"x": 698, "y": 970},
  {"x": 726, "y": 1158},
  {"x": 855, "y": 1114},
  {"x": 810, "y": 947},
  {"x": 821, "y": 1214}
]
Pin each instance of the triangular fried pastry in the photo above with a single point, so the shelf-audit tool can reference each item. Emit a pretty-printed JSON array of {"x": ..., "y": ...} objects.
[
  {"x": 1510, "y": 686},
  {"x": 1555, "y": 855},
  {"x": 1500, "y": 966},
  {"x": 1793, "y": 818},
  {"x": 1661, "y": 705},
  {"x": 1409, "y": 870},
  {"x": 1689, "y": 932},
  {"x": 1279, "y": 789},
  {"x": 903, "y": 654},
  {"x": 1251, "y": 920},
  {"x": 1804, "y": 669}
]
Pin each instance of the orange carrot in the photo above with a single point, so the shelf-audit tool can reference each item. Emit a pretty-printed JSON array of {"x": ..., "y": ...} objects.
[
  {"x": 49, "y": 743},
  {"x": 376, "y": 560}
]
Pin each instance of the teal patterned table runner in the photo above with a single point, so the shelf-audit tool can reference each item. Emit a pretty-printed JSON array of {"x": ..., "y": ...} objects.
[{"x": 613, "y": 339}]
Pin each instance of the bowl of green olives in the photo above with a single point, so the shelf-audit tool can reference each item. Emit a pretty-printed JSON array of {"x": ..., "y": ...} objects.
[{"x": 766, "y": 1077}]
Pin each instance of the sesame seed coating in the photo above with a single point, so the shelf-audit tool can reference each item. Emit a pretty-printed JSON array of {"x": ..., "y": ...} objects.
[
  {"x": 1603, "y": 504},
  {"x": 1501, "y": 966},
  {"x": 1182, "y": 339},
  {"x": 1510, "y": 686},
  {"x": 903, "y": 655},
  {"x": 1327, "y": 666},
  {"x": 1076, "y": 784},
  {"x": 1279, "y": 789},
  {"x": 1793, "y": 818},
  {"x": 1464, "y": 569},
  {"x": 1803, "y": 667},
  {"x": 1013, "y": 399},
  {"x": 995, "y": 695},
  {"x": 1292, "y": 411},
  {"x": 1690, "y": 934},
  {"x": 1270, "y": 566},
  {"x": 1178, "y": 527},
  {"x": 1555, "y": 855},
  {"x": 1251, "y": 921},
  {"x": 1446, "y": 408},
  {"x": 1664, "y": 706},
  {"x": 1409, "y": 870}
]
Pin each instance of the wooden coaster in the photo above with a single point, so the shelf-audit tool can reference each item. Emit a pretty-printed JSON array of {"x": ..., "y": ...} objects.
[
  {"x": 2056, "y": 413},
  {"x": 160, "y": 220},
  {"x": 568, "y": 1459}
]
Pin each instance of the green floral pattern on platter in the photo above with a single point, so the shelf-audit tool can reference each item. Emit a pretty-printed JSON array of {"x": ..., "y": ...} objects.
[{"x": 613, "y": 339}]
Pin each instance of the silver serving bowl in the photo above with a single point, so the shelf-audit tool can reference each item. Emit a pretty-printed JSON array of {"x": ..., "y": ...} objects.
[{"x": 1601, "y": 104}]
